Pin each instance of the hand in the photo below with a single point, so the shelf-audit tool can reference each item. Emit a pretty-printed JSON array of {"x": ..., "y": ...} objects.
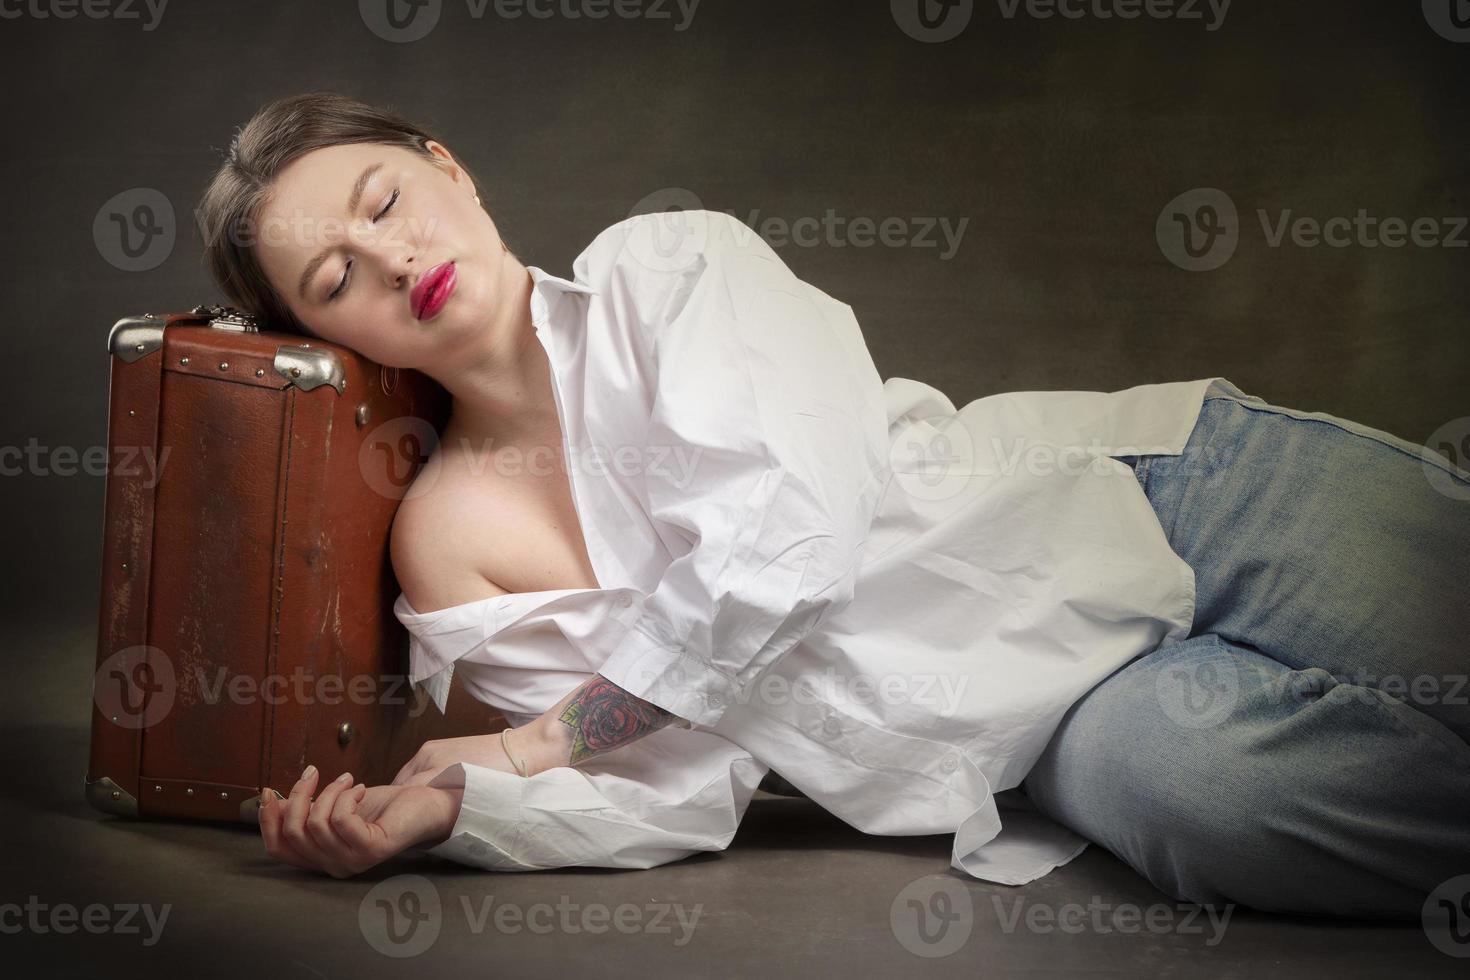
[
  {"x": 346, "y": 831},
  {"x": 480, "y": 750}
]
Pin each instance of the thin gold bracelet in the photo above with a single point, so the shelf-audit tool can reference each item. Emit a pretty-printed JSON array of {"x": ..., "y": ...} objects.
[{"x": 520, "y": 766}]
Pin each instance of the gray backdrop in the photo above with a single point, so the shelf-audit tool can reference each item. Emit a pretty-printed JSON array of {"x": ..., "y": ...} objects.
[{"x": 1059, "y": 142}]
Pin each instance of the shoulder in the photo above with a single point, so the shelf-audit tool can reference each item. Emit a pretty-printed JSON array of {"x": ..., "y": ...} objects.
[
  {"x": 670, "y": 245},
  {"x": 442, "y": 540},
  {"x": 650, "y": 265}
]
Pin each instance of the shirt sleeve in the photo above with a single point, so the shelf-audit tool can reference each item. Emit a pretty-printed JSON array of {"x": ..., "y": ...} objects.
[
  {"x": 766, "y": 387},
  {"x": 664, "y": 797}
]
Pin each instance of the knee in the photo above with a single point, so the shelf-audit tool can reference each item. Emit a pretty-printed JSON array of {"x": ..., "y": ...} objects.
[{"x": 1223, "y": 776}]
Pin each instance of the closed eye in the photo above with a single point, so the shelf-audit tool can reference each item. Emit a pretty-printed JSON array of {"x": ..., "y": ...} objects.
[{"x": 347, "y": 271}]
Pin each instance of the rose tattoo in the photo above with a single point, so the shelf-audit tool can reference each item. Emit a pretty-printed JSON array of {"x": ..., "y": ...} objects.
[{"x": 603, "y": 716}]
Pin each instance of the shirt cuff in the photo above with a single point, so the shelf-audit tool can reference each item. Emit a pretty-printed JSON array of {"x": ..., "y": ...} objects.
[
  {"x": 671, "y": 678},
  {"x": 490, "y": 817}
]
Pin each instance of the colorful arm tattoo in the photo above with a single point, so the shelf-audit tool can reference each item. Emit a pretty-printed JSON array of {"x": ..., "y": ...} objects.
[{"x": 603, "y": 716}]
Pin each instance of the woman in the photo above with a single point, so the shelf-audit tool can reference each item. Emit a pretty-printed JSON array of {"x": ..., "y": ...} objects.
[{"x": 1276, "y": 567}]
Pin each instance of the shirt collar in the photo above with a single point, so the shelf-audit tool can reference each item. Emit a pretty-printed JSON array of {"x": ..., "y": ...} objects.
[
  {"x": 545, "y": 291},
  {"x": 543, "y": 279}
]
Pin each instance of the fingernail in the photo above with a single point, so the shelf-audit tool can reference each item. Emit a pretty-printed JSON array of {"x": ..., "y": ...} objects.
[
  {"x": 309, "y": 772},
  {"x": 267, "y": 796},
  {"x": 359, "y": 786},
  {"x": 346, "y": 777}
]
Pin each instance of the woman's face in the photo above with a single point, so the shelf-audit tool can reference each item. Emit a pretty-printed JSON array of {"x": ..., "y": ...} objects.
[{"x": 348, "y": 231}]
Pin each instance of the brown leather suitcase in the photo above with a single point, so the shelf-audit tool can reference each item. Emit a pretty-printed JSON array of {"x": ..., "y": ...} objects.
[{"x": 247, "y": 623}]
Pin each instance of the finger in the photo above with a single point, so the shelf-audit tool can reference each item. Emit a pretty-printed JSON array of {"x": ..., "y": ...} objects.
[
  {"x": 408, "y": 769},
  {"x": 270, "y": 814},
  {"x": 319, "y": 821},
  {"x": 294, "y": 836},
  {"x": 422, "y": 759},
  {"x": 354, "y": 830}
]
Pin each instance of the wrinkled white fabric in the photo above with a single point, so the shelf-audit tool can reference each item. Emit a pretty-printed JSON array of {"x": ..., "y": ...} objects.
[{"x": 889, "y": 600}]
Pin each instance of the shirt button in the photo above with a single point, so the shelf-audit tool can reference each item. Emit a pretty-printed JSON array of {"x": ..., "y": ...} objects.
[
  {"x": 715, "y": 699},
  {"x": 950, "y": 762},
  {"x": 832, "y": 726}
]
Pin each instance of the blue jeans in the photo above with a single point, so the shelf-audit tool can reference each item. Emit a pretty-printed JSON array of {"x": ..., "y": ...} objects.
[{"x": 1307, "y": 748}]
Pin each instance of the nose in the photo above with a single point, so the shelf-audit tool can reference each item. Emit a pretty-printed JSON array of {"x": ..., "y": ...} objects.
[{"x": 399, "y": 270}]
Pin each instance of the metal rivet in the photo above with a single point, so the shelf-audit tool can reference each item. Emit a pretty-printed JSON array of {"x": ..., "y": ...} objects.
[
  {"x": 345, "y": 733},
  {"x": 224, "y": 796},
  {"x": 117, "y": 794},
  {"x": 260, "y": 372},
  {"x": 157, "y": 789},
  {"x": 224, "y": 365},
  {"x": 131, "y": 413},
  {"x": 363, "y": 414},
  {"x": 140, "y": 348},
  {"x": 114, "y": 717},
  {"x": 305, "y": 345},
  {"x": 125, "y": 566},
  {"x": 183, "y": 360},
  {"x": 189, "y": 791},
  {"x": 295, "y": 372}
]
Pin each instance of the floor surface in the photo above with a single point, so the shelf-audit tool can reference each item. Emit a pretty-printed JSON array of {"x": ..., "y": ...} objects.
[{"x": 798, "y": 893}]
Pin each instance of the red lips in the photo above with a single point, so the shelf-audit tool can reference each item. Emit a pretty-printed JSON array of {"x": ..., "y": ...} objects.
[{"x": 431, "y": 292}]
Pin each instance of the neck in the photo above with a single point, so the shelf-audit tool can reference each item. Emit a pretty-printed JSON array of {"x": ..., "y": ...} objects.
[{"x": 499, "y": 381}]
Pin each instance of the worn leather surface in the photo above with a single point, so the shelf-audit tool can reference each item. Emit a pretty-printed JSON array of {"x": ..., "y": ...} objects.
[{"x": 256, "y": 576}]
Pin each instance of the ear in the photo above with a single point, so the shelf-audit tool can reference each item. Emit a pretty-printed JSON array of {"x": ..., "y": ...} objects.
[{"x": 445, "y": 161}]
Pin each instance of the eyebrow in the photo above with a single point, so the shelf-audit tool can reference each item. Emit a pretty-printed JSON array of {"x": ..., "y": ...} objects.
[{"x": 352, "y": 201}]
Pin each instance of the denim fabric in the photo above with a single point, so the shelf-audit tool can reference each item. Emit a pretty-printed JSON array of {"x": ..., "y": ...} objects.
[{"x": 1307, "y": 748}]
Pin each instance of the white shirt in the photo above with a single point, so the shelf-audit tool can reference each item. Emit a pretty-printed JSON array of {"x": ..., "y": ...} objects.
[{"x": 890, "y": 601}]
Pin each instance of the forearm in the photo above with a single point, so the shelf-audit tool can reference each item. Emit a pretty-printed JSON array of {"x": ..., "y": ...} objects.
[{"x": 596, "y": 717}]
